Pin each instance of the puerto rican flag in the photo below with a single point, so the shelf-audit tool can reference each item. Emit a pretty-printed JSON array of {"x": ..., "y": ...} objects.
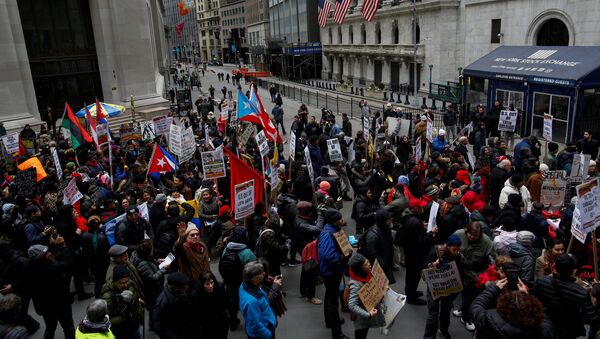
[
  {"x": 161, "y": 161},
  {"x": 324, "y": 9},
  {"x": 266, "y": 123},
  {"x": 341, "y": 9}
]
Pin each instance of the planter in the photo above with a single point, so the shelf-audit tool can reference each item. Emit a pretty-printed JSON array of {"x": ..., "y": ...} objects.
[
  {"x": 374, "y": 95},
  {"x": 343, "y": 90}
]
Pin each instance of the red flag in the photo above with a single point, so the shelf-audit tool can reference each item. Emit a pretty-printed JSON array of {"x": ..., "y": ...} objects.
[
  {"x": 92, "y": 123},
  {"x": 179, "y": 29},
  {"x": 184, "y": 9},
  {"x": 100, "y": 114},
  {"x": 241, "y": 173}
]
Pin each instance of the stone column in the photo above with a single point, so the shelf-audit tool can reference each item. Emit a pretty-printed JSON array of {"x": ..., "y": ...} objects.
[
  {"x": 385, "y": 72},
  {"x": 17, "y": 94},
  {"x": 370, "y": 75}
]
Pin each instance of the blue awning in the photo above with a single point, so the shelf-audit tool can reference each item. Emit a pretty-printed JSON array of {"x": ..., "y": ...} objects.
[{"x": 551, "y": 65}]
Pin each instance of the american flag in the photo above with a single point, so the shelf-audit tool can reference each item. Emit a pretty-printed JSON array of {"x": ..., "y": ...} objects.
[
  {"x": 324, "y": 9},
  {"x": 369, "y": 9},
  {"x": 341, "y": 8}
]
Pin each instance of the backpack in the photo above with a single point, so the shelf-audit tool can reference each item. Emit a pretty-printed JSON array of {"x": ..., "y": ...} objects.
[
  {"x": 310, "y": 258},
  {"x": 258, "y": 249},
  {"x": 230, "y": 266}
]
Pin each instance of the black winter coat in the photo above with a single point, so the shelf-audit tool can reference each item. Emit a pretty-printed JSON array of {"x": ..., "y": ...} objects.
[
  {"x": 172, "y": 316},
  {"x": 498, "y": 177},
  {"x": 379, "y": 245},
  {"x": 52, "y": 288},
  {"x": 152, "y": 278},
  {"x": 493, "y": 326},
  {"x": 363, "y": 212},
  {"x": 566, "y": 304},
  {"x": 452, "y": 222},
  {"x": 166, "y": 235},
  {"x": 303, "y": 232}
]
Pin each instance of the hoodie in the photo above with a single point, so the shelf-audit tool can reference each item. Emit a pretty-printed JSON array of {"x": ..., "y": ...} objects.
[
  {"x": 523, "y": 258},
  {"x": 244, "y": 253},
  {"x": 509, "y": 189}
]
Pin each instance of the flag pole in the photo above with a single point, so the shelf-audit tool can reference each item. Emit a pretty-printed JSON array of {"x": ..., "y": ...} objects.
[
  {"x": 151, "y": 157},
  {"x": 112, "y": 178},
  {"x": 61, "y": 122}
]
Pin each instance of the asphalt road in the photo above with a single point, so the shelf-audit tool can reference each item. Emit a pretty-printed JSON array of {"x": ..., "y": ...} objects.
[{"x": 303, "y": 320}]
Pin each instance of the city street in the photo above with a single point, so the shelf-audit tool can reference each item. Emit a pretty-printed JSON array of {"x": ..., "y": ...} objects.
[{"x": 303, "y": 320}]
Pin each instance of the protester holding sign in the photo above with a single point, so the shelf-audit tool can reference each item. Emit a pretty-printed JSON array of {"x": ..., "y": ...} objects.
[{"x": 360, "y": 274}]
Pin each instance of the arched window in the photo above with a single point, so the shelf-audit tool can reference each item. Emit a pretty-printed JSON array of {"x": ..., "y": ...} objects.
[
  {"x": 377, "y": 33},
  {"x": 553, "y": 32},
  {"x": 339, "y": 35},
  {"x": 396, "y": 32},
  {"x": 330, "y": 36},
  {"x": 350, "y": 34},
  {"x": 363, "y": 34},
  {"x": 417, "y": 37}
]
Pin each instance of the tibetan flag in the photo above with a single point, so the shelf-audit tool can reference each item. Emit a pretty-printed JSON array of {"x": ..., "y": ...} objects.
[
  {"x": 79, "y": 135},
  {"x": 92, "y": 124},
  {"x": 161, "y": 161}
]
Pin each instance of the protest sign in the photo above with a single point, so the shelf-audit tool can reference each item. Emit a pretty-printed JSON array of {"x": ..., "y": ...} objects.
[
  {"x": 577, "y": 228},
  {"x": 261, "y": 141},
  {"x": 71, "y": 193},
  {"x": 379, "y": 276},
  {"x": 175, "y": 140},
  {"x": 507, "y": 121},
  {"x": 553, "y": 188},
  {"x": 366, "y": 127},
  {"x": 56, "y": 161},
  {"x": 188, "y": 145},
  {"x": 429, "y": 133},
  {"x": 335, "y": 151},
  {"x": 34, "y": 162},
  {"x": 588, "y": 204},
  {"x": 11, "y": 143},
  {"x": 213, "y": 164},
  {"x": 248, "y": 132},
  {"x": 273, "y": 176},
  {"x": 433, "y": 216},
  {"x": 292, "y": 145},
  {"x": 162, "y": 125},
  {"x": 393, "y": 126},
  {"x": 311, "y": 172},
  {"x": 372, "y": 292},
  {"x": 471, "y": 159},
  {"x": 244, "y": 199},
  {"x": 443, "y": 282},
  {"x": 547, "y": 132},
  {"x": 351, "y": 153},
  {"x": 148, "y": 131},
  {"x": 342, "y": 240},
  {"x": 25, "y": 181},
  {"x": 579, "y": 169},
  {"x": 102, "y": 132},
  {"x": 418, "y": 150},
  {"x": 393, "y": 302},
  {"x": 144, "y": 212}
]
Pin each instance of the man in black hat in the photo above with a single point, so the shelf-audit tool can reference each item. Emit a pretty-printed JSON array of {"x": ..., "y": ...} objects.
[
  {"x": 377, "y": 243},
  {"x": 333, "y": 264},
  {"x": 172, "y": 311},
  {"x": 118, "y": 256},
  {"x": 567, "y": 304},
  {"x": 123, "y": 304},
  {"x": 132, "y": 230}
]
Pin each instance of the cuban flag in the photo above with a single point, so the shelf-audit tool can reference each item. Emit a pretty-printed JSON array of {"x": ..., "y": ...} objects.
[
  {"x": 161, "y": 161},
  {"x": 246, "y": 110}
]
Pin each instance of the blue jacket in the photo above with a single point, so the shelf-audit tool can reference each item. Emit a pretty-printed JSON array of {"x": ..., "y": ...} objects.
[
  {"x": 316, "y": 158},
  {"x": 33, "y": 231},
  {"x": 258, "y": 315},
  {"x": 439, "y": 145},
  {"x": 524, "y": 144},
  {"x": 329, "y": 252}
]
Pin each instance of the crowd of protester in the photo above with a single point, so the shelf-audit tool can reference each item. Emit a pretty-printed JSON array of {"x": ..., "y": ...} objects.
[{"x": 517, "y": 280}]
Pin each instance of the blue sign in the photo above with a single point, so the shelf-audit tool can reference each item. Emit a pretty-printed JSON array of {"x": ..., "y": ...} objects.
[{"x": 305, "y": 49}]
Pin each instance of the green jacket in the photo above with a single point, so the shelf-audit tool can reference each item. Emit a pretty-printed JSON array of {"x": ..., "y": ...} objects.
[
  {"x": 397, "y": 208},
  {"x": 121, "y": 313},
  {"x": 477, "y": 256},
  {"x": 550, "y": 160}
]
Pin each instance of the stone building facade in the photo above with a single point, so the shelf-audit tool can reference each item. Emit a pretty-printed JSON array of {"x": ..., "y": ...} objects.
[
  {"x": 186, "y": 46},
  {"x": 257, "y": 21},
  {"x": 209, "y": 30},
  {"x": 450, "y": 35},
  {"x": 233, "y": 30}
]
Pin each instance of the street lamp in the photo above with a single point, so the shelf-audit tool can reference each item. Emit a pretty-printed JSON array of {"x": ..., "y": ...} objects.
[{"x": 430, "y": 68}]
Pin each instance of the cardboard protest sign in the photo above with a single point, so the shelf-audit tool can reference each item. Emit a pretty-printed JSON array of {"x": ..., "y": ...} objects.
[
  {"x": 433, "y": 216},
  {"x": 188, "y": 145},
  {"x": 372, "y": 292},
  {"x": 162, "y": 125},
  {"x": 393, "y": 302},
  {"x": 102, "y": 133},
  {"x": 553, "y": 188},
  {"x": 292, "y": 145},
  {"x": 34, "y": 162},
  {"x": 443, "y": 282},
  {"x": 56, "y": 162},
  {"x": 244, "y": 199},
  {"x": 71, "y": 193},
  {"x": 311, "y": 171},
  {"x": 351, "y": 152},
  {"x": 342, "y": 240},
  {"x": 175, "y": 140},
  {"x": 580, "y": 167},
  {"x": 507, "y": 121},
  {"x": 248, "y": 132},
  {"x": 148, "y": 131},
  {"x": 547, "y": 131},
  {"x": 334, "y": 149},
  {"x": 429, "y": 133},
  {"x": 261, "y": 141},
  {"x": 11, "y": 143},
  {"x": 213, "y": 164},
  {"x": 25, "y": 181},
  {"x": 577, "y": 228},
  {"x": 588, "y": 204}
]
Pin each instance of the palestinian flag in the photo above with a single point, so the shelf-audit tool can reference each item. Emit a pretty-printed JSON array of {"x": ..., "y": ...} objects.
[{"x": 79, "y": 135}]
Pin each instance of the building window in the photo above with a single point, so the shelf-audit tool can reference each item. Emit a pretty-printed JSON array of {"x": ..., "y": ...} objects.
[
  {"x": 340, "y": 35},
  {"x": 553, "y": 32},
  {"x": 363, "y": 34},
  {"x": 396, "y": 31},
  {"x": 496, "y": 31},
  {"x": 350, "y": 35},
  {"x": 377, "y": 33},
  {"x": 330, "y": 36}
]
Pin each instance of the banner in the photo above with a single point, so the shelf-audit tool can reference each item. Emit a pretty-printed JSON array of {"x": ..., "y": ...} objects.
[
  {"x": 588, "y": 204},
  {"x": 261, "y": 141},
  {"x": 335, "y": 151},
  {"x": 11, "y": 143},
  {"x": 553, "y": 188},
  {"x": 507, "y": 121},
  {"x": 547, "y": 132},
  {"x": 580, "y": 167},
  {"x": 372, "y": 293},
  {"x": 71, "y": 193},
  {"x": 102, "y": 132},
  {"x": 443, "y": 282},
  {"x": 56, "y": 162},
  {"x": 148, "y": 131},
  {"x": 175, "y": 140},
  {"x": 292, "y": 145},
  {"x": 188, "y": 145},
  {"x": 25, "y": 182},
  {"x": 162, "y": 125},
  {"x": 213, "y": 164},
  {"x": 244, "y": 199}
]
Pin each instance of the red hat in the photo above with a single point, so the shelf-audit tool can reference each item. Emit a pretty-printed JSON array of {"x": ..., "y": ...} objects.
[
  {"x": 416, "y": 203},
  {"x": 224, "y": 210},
  {"x": 463, "y": 176}
]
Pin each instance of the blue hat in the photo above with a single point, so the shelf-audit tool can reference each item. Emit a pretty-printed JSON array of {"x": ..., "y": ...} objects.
[
  {"x": 453, "y": 240},
  {"x": 403, "y": 180}
]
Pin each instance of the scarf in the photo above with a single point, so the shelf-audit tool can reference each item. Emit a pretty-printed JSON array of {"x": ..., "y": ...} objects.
[
  {"x": 196, "y": 246},
  {"x": 364, "y": 280},
  {"x": 86, "y": 326},
  {"x": 194, "y": 260}
]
